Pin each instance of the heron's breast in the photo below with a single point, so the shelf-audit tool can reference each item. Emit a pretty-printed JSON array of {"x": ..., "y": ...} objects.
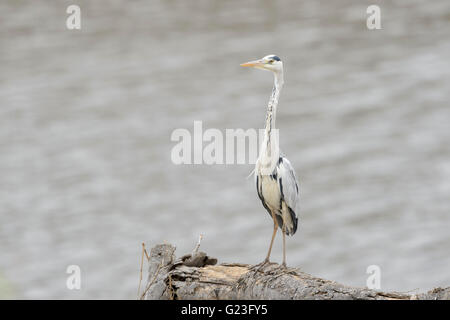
[{"x": 270, "y": 192}]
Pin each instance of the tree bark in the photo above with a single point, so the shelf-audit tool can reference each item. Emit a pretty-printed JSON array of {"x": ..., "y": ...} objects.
[{"x": 195, "y": 276}]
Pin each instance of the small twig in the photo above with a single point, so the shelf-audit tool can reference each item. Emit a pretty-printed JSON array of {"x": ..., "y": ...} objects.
[
  {"x": 171, "y": 291},
  {"x": 235, "y": 264},
  {"x": 200, "y": 237},
  {"x": 154, "y": 278},
  {"x": 140, "y": 272},
  {"x": 144, "y": 252}
]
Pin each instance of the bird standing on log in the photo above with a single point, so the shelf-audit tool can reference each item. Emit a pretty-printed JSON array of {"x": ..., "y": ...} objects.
[{"x": 276, "y": 183}]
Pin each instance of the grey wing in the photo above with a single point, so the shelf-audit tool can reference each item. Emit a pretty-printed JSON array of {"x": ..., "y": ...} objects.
[{"x": 289, "y": 189}]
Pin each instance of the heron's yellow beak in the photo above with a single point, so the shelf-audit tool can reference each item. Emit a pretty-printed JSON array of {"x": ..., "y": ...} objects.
[{"x": 255, "y": 63}]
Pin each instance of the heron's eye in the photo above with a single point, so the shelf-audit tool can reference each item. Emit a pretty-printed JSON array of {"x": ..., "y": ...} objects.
[{"x": 271, "y": 61}]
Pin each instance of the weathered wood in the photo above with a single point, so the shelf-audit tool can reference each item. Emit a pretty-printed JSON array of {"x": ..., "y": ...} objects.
[{"x": 195, "y": 276}]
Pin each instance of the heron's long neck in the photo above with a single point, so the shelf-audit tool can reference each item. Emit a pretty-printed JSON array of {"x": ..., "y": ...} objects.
[{"x": 272, "y": 113}]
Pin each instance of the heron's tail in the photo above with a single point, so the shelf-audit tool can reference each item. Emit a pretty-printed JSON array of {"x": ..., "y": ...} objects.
[
  {"x": 294, "y": 222},
  {"x": 289, "y": 222}
]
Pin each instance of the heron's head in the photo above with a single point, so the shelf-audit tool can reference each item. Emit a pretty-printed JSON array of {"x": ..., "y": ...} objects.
[{"x": 270, "y": 63}]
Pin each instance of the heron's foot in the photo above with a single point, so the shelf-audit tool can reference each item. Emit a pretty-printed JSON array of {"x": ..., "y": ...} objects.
[{"x": 261, "y": 266}]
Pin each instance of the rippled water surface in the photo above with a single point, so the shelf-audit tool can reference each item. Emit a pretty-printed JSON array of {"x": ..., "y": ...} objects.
[{"x": 86, "y": 119}]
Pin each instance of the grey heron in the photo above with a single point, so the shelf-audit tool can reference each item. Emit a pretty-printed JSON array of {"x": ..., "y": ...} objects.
[{"x": 275, "y": 179}]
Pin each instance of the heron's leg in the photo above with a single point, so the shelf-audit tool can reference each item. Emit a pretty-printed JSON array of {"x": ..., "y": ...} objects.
[
  {"x": 275, "y": 229},
  {"x": 284, "y": 248},
  {"x": 266, "y": 260}
]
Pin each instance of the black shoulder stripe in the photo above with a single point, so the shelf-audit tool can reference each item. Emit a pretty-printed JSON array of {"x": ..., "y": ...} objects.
[
  {"x": 257, "y": 187},
  {"x": 280, "y": 160},
  {"x": 281, "y": 189},
  {"x": 281, "y": 193}
]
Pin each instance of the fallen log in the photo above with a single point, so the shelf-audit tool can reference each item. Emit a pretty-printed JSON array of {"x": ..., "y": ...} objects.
[{"x": 196, "y": 276}]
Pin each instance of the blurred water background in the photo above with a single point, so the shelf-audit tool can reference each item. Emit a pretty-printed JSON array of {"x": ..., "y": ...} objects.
[{"x": 86, "y": 118}]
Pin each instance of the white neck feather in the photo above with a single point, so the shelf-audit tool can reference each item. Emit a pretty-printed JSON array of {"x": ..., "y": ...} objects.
[{"x": 270, "y": 147}]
